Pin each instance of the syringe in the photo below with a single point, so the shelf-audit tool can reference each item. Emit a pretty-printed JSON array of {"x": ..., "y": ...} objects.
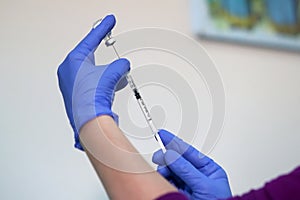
[{"x": 109, "y": 41}]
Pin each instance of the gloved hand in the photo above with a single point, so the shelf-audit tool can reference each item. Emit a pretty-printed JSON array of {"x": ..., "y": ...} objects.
[
  {"x": 88, "y": 90},
  {"x": 193, "y": 173}
]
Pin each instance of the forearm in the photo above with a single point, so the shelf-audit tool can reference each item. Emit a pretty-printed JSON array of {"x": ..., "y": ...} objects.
[{"x": 123, "y": 172}]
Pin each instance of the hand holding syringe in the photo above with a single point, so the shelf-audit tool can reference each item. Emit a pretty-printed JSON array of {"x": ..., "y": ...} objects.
[{"x": 109, "y": 41}]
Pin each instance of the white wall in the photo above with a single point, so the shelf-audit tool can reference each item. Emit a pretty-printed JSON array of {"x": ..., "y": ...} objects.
[{"x": 261, "y": 133}]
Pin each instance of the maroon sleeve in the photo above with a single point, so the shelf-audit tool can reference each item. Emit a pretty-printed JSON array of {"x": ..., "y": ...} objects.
[
  {"x": 172, "y": 196},
  {"x": 286, "y": 187}
]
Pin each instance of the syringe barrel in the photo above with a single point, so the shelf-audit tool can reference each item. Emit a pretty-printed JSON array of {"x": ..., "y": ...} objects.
[
  {"x": 131, "y": 82},
  {"x": 138, "y": 98}
]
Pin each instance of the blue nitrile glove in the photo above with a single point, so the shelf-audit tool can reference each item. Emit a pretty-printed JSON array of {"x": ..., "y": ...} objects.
[
  {"x": 193, "y": 173},
  {"x": 88, "y": 90}
]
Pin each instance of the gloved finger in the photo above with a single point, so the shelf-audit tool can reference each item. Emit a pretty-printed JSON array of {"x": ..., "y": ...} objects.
[
  {"x": 94, "y": 37},
  {"x": 158, "y": 158},
  {"x": 113, "y": 73},
  {"x": 170, "y": 176},
  {"x": 213, "y": 170},
  {"x": 164, "y": 171},
  {"x": 116, "y": 118},
  {"x": 122, "y": 83},
  {"x": 190, "y": 153},
  {"x": 182, "y": 168},
  {"x": 173, "y": 142}
]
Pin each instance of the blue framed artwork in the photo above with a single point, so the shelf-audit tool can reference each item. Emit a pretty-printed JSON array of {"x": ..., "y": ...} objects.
[{"x": 272, "y": 23}]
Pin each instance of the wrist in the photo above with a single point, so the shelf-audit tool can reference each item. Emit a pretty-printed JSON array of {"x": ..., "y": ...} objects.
[
  {"x": 85, "y": 115},
  {"x": 88, "y": 112}
]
